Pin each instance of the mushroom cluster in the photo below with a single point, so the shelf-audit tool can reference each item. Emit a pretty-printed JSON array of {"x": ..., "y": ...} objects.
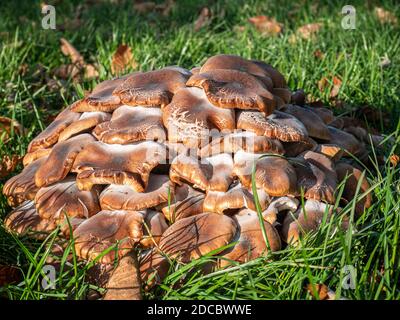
[{"x": 169, "y": 161}]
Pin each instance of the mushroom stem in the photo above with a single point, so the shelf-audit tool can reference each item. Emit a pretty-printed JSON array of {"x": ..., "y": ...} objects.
[{"x": 124, "y": 283}]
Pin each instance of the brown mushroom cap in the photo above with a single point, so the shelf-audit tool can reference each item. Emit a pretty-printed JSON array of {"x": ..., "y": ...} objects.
[
  {"x": 315, "y": 126},
  {"x": 154, "y": 227},
  {"x": 60, "y": 160},
  {"x": 234, "y": 89},
  {"x": 245, "y": 140},
  {"x": 35, "y": 155},
  {"x": 212, "y": 173},
  {"x": 346, "y": 141},
  {"x": 293, "y": 149},
  {"x": 234, "y": 199},
  {"x": 24, "y": 219},
  {"x": 130, "y": 125},
  {"x": 325, "y": 114},
  {"x": 279, "y": 205},
  {"x": 64, "y": 197},
  {"x": 50, "y": 135},
  {"x": 190, "y": 117},
  {"x": 106, "y": 229},
  {"x": 277, "y": 78},
  {"x": 22, "y": 186},
  {"x": 153, "y": 88},
  {"x": 153, "y": 268},
  {"x": 304, "y": 220},
  {"x": 124, "y": 197},
  {"x": 278, "y": 126},
  {"x": 332, "y": 151},
  {"x": 186, "y": 202},
  {"x": 273, "y": 174},
  {"x": 251, "y": 243},
  {"x": 316, "y": 176},
  {"x": 101, "y": 98},
  {"x": 100, "y": 163},
  {"x": 87, "y": 121},
  {"x": 192, "y": 237},
  {"x": 354, "y": 175}
]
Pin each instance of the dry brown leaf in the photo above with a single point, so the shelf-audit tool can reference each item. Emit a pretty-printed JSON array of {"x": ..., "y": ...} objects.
[
  {"x": 203, "y": 19},
  {"x": 324, "y": 293},
  {"x": 266, "y": 25},
  {"x": 394, "y": 160},
  {"x": 309, "y": 31},
  {"x": 90, "y": 71},
  {"x": 385, "y": 16},
  {"x": 6, "y": 125},
  {"x": 8, "y": 275},
  {"x": 319, "y": 54},
  {"x": 166, "y": 7},
  {"x": 8, "y": 165},
  {"x": 69, "y": 50},
  {"x": 122, "y": 60},
  {"x": 325, "y": 83}
]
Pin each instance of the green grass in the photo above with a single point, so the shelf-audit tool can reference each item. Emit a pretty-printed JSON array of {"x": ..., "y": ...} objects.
[{"x": 353, "y": 55}]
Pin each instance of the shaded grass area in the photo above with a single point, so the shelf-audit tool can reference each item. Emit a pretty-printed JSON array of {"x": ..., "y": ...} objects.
[{"x": 157, "y": 40}]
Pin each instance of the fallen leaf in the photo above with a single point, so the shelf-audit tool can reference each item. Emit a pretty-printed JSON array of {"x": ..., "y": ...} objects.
[
  {"x": 69, "y": 50},
  {"x": 385, "y": 16},
  {"x": 6, "y": 126},
  {"x": 266, "y": 25},
  {"x": 324, "y": 293},
  {"x": 319, "y": 54},
  {"x": 394, "y": 160},
  {"x": 309, "y": 31},
  {"x": 325, "y": 83},
  {"x": 122, "y": 60},
  {"x": 166, "y": 7},
  {"x": 203, "y": 19},
  {"x": 90, "y": 71},
  {"x": 8, "y": 275},
  {"x": 8, "y": 165}
]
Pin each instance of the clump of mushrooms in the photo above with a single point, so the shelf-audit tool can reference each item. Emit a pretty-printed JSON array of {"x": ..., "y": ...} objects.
[{"x": 161, "y": 163}]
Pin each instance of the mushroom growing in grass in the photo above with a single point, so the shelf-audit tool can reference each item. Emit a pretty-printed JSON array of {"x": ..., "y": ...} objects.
[{"x": 156, "y": 169}]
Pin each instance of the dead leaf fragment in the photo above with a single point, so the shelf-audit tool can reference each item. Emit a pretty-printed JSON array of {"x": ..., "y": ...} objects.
[
  {"x": 69, "y": 50},
  {"x": 122, "y": 60},
  {"x": 8, "y": 275},
  {"x": 385, "y": 16},
  {"x": 8, "y": 165},
  {"x": 319, "y": 54},
  {"x": 309, "y": 30},
  {"x": 266, "y": 25},
  {"x": 325, "y": 83},
  {"x": 6, "y": 126},
  {"x": 324, "y": 293},
  {"x": 394, "y": 160},
  {"x": 203, "y": 19}
]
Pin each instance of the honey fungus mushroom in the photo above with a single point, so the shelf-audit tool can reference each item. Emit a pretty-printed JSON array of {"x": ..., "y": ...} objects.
[{"x": 158, "y": 166}]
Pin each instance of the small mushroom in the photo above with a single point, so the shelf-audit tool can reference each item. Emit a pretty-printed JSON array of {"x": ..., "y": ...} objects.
[
  {"x": 60, "y": 160},
  {"x": 64, "y": 198},
  {"x": 106, "y": 229},
  {"x": 154, "y": 227},
  {"x": 278, "y": 205},
  {"x": 51, "y": 134},
  {"x": 212, "y": 173},
  {"x": 87, "y": 121},
  {"x": 153, "y": 88},
  {"x": 316, "y": 176},
  {"x": 100, "y": 163},
  {"x": 35, "y": 155},
  {"x": 22, "y": 186},
  {"x": 124, "y": 197},
  {"x": 233, "y": 200},
  {"x": 190, "y": 117},
  {"x": 235, "y": 89},
  {"x": 250, "y": 243},
  {"x": 346, "y": 141},
  {"x": 24, "y": 219},
  {"x": 186, "y": 202},
  {"x": 272, "y": 173},
  {"x": 332, "y": 151},
  {"x": 325, "y": 114},
  {"x": 354, "y": 175},
  {"x": 304, "y": 220},
  {"x": 279, "y": 126},
  {"x": 101, "y": 98},
  {"x": 130, "y": 125},
  {"x": 315, "y": 126},
  {"x": 245, "y": 140},
  {"x": 293, "y": 149}
]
